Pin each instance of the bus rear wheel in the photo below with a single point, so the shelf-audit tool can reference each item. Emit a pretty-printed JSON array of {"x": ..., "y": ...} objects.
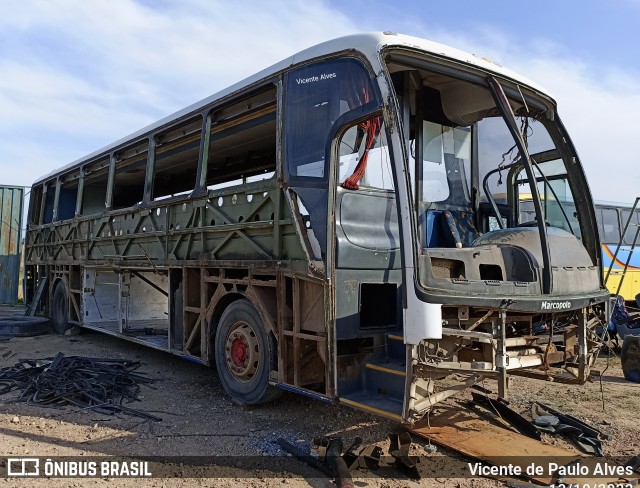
[
  {"x": 243, "y": 355},
  {"x": 60, "y": 309}
]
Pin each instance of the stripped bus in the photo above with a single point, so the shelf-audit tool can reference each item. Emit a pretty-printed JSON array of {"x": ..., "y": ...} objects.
[{"x": 329, "y": 226}]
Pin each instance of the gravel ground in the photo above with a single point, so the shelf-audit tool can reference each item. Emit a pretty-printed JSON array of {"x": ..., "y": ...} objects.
[{"x": 198, "y": 419}]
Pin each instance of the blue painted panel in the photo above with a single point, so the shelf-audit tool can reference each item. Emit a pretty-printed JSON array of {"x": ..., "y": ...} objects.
[{"x": 11, "y": 205}]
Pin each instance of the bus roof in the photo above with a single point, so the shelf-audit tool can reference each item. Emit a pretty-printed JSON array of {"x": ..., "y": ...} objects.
[
  {"x": 369, "y": 44},
  {"x": 604, "y": 203}
]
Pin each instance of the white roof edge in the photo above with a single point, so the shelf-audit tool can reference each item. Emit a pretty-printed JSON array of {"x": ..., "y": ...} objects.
[
  {"x": 607, "y": 203},
  {"x": 368, "y": 43},
  {"x": 465, "y": 57}
]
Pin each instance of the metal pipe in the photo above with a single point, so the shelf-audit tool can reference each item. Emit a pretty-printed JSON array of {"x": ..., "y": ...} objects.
[{"x": 337, "y": 464}]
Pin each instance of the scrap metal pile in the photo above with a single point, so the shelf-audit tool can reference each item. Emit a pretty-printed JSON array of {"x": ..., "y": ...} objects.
[
  {"x": 101, "y": 385},
  {"x": 327, "y": 455},
  {"x": 545, "y": 419}
]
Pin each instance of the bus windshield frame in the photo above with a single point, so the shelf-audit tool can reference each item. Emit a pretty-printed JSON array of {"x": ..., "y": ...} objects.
[{"x": 468, "y": 138}]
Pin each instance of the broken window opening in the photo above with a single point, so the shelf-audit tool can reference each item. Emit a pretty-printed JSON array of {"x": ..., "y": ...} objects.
[
  {"x": 176, "y": 160},
  {"x": 243, "y": 139},
  {"x": 130, "y": 174},
  {"x": 36, "y": 205},
  {"x": 68, "y": 197},
  {"x": 50, "y": 194},
  {"x": 94, "y": 192}
]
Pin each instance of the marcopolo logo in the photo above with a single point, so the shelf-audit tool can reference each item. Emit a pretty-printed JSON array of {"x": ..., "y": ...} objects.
[{"x": 555, "y": 305}]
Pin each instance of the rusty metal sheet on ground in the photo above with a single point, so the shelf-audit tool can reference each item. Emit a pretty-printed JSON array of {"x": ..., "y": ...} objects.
[{"x": 488, "y": 442}]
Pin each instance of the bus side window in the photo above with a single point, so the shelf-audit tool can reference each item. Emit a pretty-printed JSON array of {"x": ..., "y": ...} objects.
[
  {"x": 630, "y": 234},
  {"x": 36, "y": 205},
  {"x": 243, "y": 141},
  {"x": 128, "y": 184},
  {"x": 610, "y": 230},
  {"x": 176, "y": 160},
  {"x": 68, "y": 196},
  {"x": 49, "y": 198},
  {"x": 95, "y": 187}
]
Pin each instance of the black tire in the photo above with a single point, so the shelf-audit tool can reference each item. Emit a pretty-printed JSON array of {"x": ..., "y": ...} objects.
[
  {"x": 60, "y": 309},
  {"x": 243, "y": 355},
  {"x": 23, "y": 326}
]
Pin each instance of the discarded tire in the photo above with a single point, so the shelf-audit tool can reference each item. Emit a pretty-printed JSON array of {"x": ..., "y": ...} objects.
[
  {"x": 60, "y": 309},
  {"x": 22, "y": 326},
  {"x": 630, "y": 358}
]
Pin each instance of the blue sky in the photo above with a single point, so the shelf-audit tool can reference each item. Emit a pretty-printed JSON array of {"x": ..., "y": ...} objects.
[
  {"x": 591, "y": 30},
  {"x": 77, "y": 75}
]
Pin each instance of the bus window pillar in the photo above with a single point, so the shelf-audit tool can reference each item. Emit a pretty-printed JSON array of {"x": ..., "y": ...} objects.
[
  {"x": 56, "y": 199},
  {"x": 148, "y": 181},
  {"x": 43, "y": 200},
  {"x": 203, "y": 158},
  {"x": 108, "y": 200},
  {"x": 79, "y": 196}
]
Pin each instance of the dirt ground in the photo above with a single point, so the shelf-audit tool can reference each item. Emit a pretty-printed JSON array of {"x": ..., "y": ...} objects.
[{"x": 199, "y": 419}]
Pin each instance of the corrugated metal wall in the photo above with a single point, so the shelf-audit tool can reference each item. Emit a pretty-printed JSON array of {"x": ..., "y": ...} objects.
[{"x": 11, "y": 202}]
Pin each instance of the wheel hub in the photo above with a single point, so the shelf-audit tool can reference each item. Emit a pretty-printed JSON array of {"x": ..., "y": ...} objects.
[
  {"x": 239, "y": 351},
  {"x": 242, "y": 352}
]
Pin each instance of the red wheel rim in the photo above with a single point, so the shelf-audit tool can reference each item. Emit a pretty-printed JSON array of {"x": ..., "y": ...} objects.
[{"x": 242, "y": 351}]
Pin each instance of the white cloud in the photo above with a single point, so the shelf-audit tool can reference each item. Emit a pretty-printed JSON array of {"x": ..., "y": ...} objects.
[
  {"x": 78, "y": 75},
  {"x": 597, "y": 104},
  {"x": 598, "y": 111}
]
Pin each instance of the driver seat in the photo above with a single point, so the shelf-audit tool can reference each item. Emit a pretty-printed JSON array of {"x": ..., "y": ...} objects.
[{"x": 459, "y": 228}]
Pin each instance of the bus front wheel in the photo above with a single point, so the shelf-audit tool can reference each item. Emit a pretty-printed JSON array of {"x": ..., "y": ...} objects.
[
  {"x": 60, "y": 309},
  {"x": 243, "y": 355}
]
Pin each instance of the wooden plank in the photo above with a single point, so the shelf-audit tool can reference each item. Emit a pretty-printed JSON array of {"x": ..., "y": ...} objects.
[
  {"x": 282, "y": 346},
  {"x": 296, "y": 332},
  {"x": 204, "y": 301},
  {"x": 33, "y": 306},
  {"x": 301, "y": 335},
  {"x": 553, "y": 374},
  {"x": 490, "y": 443}
]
